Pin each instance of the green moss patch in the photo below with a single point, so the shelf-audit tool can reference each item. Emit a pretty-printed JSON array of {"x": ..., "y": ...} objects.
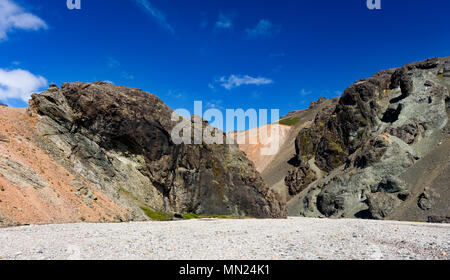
[
  {"x": 190, "y": 216},
  {"x": 148, "y": 211},
  {"x": 289, "y": 121},
  {"x": 155, "y": 215}
]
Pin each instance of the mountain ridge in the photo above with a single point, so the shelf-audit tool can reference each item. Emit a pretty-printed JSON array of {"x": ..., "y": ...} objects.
[
  {"x": 352, "y": 154},
  {"x": 98, "y": 152},
  {"x": 116, "y": 141}
]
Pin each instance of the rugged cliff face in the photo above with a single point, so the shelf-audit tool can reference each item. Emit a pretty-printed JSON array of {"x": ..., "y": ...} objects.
[
  {"x": 355, "y": 160},
  {"x": 119, "y": 140}
]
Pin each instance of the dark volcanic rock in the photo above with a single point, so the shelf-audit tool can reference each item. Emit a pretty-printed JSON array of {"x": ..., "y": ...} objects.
[
  {"x": 298, "y": 179},
  {"x": 4, "y": 105},
  {"x": 379, "y": 129},
  {"x": 120, "y": 139},
  {"x": 424, "y": 65},
  {"x": 381, "y": 205},
  {"x": 408, "y": 132},
  {"x": 321, "y": 100},
  {"x": 447, "y": 66},
  {"x": 390, "y": 184},
  {"x": 427, "y": 199},
  {"x": 438, "y": 219},
  {"x": 371, "y": 152}
]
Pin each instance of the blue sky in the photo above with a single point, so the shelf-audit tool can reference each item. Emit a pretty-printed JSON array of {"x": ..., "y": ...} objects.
[{"x": 229, "y": 54}]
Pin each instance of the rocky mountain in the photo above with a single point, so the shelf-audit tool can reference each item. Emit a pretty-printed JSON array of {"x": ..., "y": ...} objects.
[
  {"x": 116, "y": 142},
  {"x": 98, "y": 152},
  {"x": 379, "y": 151}
]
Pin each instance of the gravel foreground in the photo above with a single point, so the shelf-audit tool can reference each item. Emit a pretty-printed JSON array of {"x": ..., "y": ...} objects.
[{"x": 290, "y": 239}]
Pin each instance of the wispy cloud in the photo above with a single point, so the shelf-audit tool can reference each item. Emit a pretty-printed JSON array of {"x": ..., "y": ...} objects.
[
  {"x": 176, "y": 93},
  {"x": 112, "y": 62},
  {"x": 264, "y": 29},
  {"x": 13, "y": 17},
  {"x": 305, "y": 92},
  {"x": 115, "y": 64},
  {"x": 224, "y": 21},
  {"x": 19, "y": 84},
  {"x": 277, "y": 69},
  {"x": 234, "y": 81},
  {"x": 214, "y": 104},
  {"x": 212, "y": 87},
  {"x": 159, "y": 16},
  {"x": 127, "y": 75}
]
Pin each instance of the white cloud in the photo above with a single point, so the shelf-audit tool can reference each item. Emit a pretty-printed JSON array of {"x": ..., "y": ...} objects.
[
  {"x": 224, "y": 22},
  {"x": 155, "y": 13},
  {"x": 19, "y": 84},
  {"x": 12, "y": 17},
  {"x": 234, "y": 81},
  {"x": 264, "y": 29}
]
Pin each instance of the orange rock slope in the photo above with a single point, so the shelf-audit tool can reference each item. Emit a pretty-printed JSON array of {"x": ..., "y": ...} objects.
[
  {"x": 262, "y": 144},
  {"x": 34, "y": 188}
]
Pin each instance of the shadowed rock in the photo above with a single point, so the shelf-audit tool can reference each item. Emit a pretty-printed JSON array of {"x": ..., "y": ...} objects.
[{"x": 119, "y": 138}]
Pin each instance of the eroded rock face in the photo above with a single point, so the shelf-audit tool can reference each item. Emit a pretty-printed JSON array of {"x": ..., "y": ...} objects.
[
  {"x": 380, "y": 128},
  {"x": 298, "y": 179},
  {"x": 119, "y": 139}
]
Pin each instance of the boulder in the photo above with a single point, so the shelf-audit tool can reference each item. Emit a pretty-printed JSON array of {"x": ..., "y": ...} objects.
[
  {"x": 390, "y": 184},
  {"x": 427, "y": 199},
  {"x": 381, "y": 205}
]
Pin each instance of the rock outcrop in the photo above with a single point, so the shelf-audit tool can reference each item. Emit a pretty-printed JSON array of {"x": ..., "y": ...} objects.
[
  {"x": 36, "y": 188},
  {"x": 119, "y": 139},
  {"x": 365, "y": 144}
]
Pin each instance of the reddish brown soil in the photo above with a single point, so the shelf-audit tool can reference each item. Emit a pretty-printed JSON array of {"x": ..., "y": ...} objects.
[{"x": 58, "y": 201}]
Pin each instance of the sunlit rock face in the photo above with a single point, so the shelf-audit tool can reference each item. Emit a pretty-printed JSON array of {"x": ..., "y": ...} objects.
[
  {"x": 120, "y": 139},
  {"x": 380, "y": 152}
]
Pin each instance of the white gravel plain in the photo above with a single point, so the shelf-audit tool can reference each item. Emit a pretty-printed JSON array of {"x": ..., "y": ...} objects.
[{"x": 214, "y": 239}]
